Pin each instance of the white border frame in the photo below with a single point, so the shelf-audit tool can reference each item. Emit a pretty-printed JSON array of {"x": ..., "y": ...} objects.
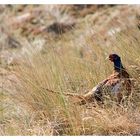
[{"x": 69, "y": 1}]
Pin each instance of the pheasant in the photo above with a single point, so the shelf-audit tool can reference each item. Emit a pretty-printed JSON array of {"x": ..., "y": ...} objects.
[{"x": 118, "y": 85}]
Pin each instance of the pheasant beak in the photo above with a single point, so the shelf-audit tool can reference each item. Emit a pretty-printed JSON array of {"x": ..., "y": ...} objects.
[{"x": 107, "y": 58}]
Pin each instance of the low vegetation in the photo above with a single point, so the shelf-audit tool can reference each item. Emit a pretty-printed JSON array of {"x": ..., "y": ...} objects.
[{"x": 73, "y": 63}]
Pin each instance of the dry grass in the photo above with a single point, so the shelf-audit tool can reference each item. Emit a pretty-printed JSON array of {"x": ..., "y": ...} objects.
[
  {"x": 63, "y": 69},
  {"x": 70, "y": 65}
]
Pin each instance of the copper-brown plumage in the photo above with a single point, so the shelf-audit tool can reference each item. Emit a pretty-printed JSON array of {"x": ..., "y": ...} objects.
[{"x": 117, "y": 84}]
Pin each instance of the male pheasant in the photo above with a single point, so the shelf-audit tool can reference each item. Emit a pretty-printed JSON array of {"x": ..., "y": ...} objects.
[{"x": 117, "y": 85}]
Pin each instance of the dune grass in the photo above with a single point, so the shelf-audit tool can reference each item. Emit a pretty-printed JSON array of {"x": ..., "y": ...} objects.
[
  {"x": 72, "y": 63},
  {"x": 68, "y": 67}
]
